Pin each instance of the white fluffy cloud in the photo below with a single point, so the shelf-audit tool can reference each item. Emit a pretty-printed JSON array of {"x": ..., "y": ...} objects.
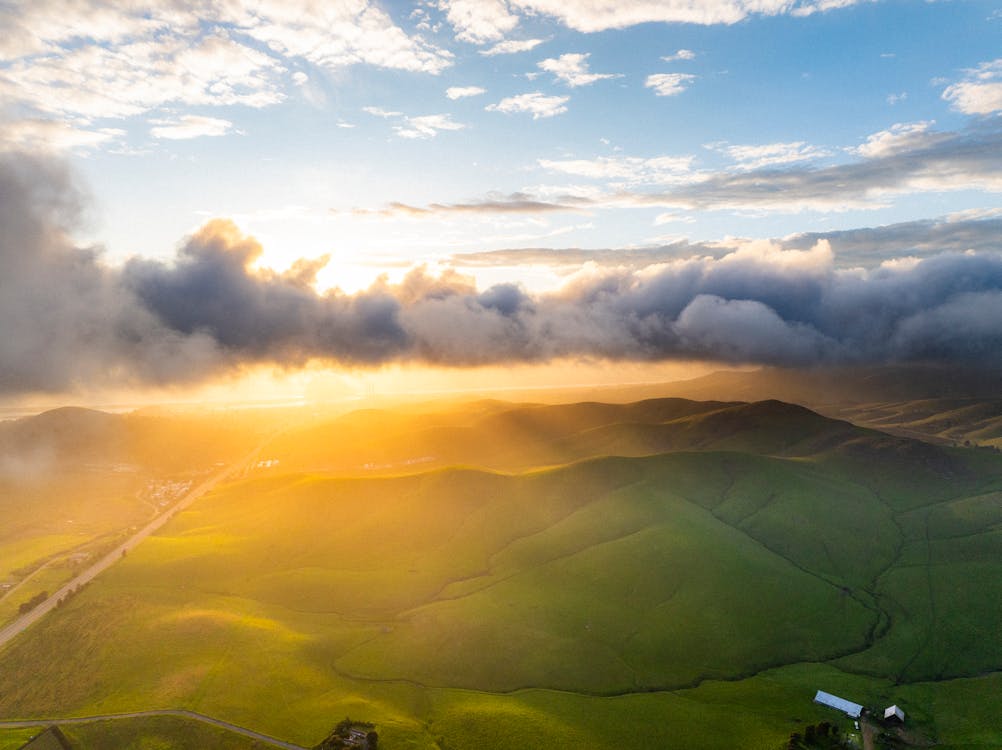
[
  {"x": 682, "y": 54},
  {"x": 190, "y": 126},
  {"x": 334, "y": 35},
  {"x": 426, "y": 126},
  {"x": 120, "y": 81},
  {"x": 535, "y": 103},
  {"x": 669, "y": 84},
  {"x": 461, "y": 92},
  {"x": 380, "y": 112},
  {"x": 599, "y": 15},
  {"x": 483, "y": 21},
  {"x": 511, "y": 47},
  {"x": 101, "y": 59},
  {"x": 479, "y": 21},
  {"x": 903, "y": 136},
  {"x": 980, "y": 93},
  {"x": 572, "y": 69}
]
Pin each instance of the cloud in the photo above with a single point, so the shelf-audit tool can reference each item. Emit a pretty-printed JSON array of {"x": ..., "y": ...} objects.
[
  {"x": 134, "y": 77},
  {"x": 426, "y": 126},
  {"x": 69, "y": 321},
  {"x": 682, "y": 54},
  {"x": 37, "y": 134},
  {"x": 482, "y": 21},
  {"x": 669, "y": 84},
  {"x": 479, "y": 21},
  {"x": 900, "y": 138},
  {"x": 514, "y": 203},
  {"x": 256, "y": 316},
  {"x": 95, "y": 59},
  {"x": 190, "y": 126},
  {"x": 627, "y": 170},
  {"x": 760, "y": 304},
  {"x": 980, "y": 93},
  {"x": 511, "y": 47},
  {"x": 911, "y": 239},
  {"x": 601, "y": 15},
  {"x": 461, "y": 92},
  {"x": 380, "y": 112},
  {"x": 867, "y": 247},
  {"x": 72, "y": 322},
  {"x": 536, "y": 103},
  {"x": 749, "y": 157},
  {"x": 572, "y": 69},
  {"x": 904, "y": 159},
  {"x": 334, "y": 35},
  {"x": 421, "y": 126}
]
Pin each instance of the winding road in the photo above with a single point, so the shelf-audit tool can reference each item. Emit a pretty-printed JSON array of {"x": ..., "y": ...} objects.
[{"x": 181, "y": 713}]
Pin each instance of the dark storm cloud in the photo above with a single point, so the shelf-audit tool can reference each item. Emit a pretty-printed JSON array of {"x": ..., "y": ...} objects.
[
  {"x": 67, "y": 321},
  {"x": 70, "y": 321},
  {"x": 211, "y": 291}
]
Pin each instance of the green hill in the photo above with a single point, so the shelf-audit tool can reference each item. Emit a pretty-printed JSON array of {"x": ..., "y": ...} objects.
[{"x": 682, "y": 574}]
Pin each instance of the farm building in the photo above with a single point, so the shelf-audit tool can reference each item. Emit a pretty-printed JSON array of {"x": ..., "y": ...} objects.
[
  {"x": 894, "y": 713},
  {"x": 839, "y": 704},
  {"x": 51, "y": 739}
]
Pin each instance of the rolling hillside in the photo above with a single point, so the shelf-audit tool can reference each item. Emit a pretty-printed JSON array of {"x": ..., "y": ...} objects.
[{"x": 687, "y": 572}]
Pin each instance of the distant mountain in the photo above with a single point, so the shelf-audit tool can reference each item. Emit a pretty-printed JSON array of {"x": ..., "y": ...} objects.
[{"x": 826, "y": 387}]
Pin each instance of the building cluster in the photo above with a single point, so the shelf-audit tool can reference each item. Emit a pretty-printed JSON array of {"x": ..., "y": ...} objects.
[{"x": 855, "y": 710}]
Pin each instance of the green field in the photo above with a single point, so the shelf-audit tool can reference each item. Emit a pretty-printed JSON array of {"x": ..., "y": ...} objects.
[
  {"x": 74, "y": 481},
  {"x": 692, "y": 591}
]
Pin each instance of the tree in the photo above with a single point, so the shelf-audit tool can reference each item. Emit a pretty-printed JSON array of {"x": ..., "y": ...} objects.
[
  {"x": 809, "y": 734},
  {"x": 371, "y": 740}
]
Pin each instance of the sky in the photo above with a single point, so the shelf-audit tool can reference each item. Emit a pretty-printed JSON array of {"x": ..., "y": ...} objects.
[{"x": 192, "y": 191}]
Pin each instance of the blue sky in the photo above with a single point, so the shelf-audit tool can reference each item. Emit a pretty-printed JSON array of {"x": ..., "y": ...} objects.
[
  {"x": 449, "y": 134},
  {"x": 287, "y": 144}
]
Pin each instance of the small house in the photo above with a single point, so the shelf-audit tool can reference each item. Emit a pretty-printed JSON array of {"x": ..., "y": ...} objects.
[{"x": 894, "y": 713}]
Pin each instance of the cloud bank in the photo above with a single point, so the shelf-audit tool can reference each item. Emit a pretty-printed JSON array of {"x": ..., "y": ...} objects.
[{"x": 71, "y": 322}]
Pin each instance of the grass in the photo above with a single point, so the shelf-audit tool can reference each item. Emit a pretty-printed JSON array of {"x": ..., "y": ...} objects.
[
  {"x": 690, "y": 599},
  {"x": 14, "y": 739}
]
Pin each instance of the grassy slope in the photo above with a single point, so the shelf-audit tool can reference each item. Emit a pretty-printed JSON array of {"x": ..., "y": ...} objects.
[
  {"x": 951, "y": 421},
  {"x": 379, "y": 598}
]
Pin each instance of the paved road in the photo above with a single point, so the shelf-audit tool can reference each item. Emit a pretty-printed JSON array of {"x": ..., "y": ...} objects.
[
  {"x": 166, "y": 712},
  {"x": 14, "y": 589},
  {"x": 22, "y": 623}
]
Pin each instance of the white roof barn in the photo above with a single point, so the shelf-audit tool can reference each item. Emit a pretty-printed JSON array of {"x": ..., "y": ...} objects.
[
  {"x": 840, "y": 704},
  {"x": 894, "y": 712}
]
